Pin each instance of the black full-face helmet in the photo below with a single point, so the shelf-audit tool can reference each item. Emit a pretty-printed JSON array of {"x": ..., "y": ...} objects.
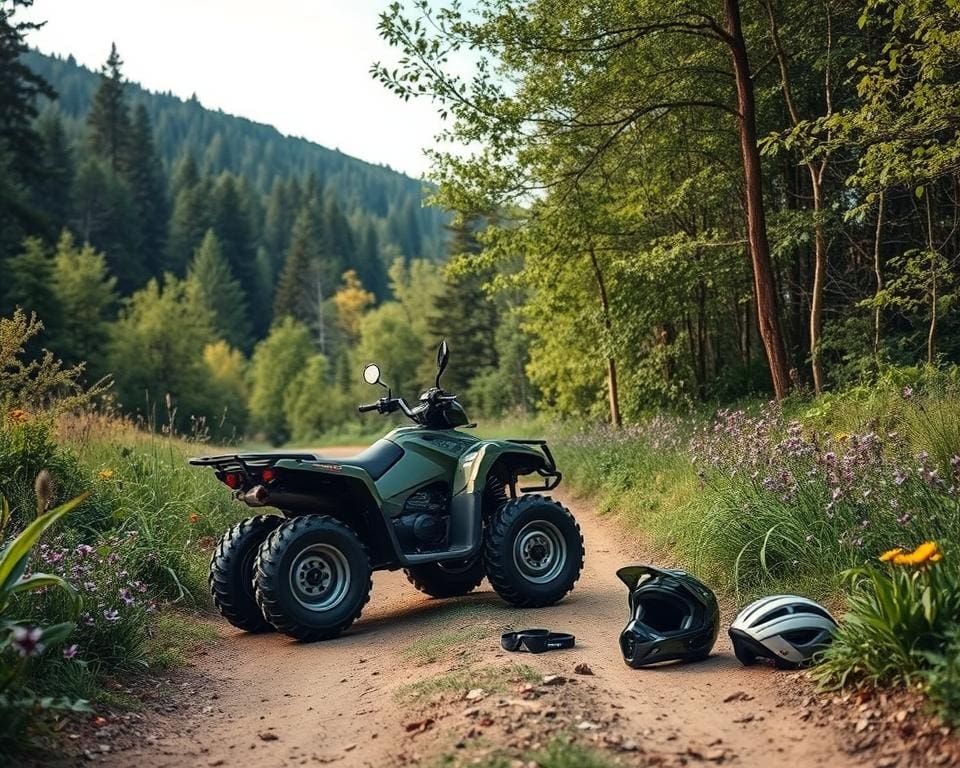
[{"x": 673, "y": 616}]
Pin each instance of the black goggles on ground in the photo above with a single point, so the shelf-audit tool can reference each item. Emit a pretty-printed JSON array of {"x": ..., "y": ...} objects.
[{"x": 536, "y": 640}]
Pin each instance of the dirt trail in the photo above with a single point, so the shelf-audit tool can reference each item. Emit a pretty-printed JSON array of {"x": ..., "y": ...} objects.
[{"x": 282, "y": 703}]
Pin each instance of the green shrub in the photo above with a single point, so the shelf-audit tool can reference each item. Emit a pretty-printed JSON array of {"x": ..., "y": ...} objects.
[
  {"x": 943, "y": 677},
  {"x": 20, "y": 640},
  {"x": 901, "y": 626}
]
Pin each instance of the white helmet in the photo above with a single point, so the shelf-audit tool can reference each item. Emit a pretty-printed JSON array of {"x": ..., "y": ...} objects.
[{"x": 785, "y": 628}]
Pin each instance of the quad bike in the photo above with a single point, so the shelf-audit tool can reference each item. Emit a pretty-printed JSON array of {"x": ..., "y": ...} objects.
[{"x": 439, "y": 503}]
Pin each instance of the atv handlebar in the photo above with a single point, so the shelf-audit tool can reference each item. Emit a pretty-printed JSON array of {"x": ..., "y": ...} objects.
[{"x": 391, "y": 404}]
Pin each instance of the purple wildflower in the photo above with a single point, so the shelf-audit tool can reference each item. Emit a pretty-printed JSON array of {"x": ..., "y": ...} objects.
[
  {"x": 70, "y": 651},
  {"x": 111, "y": 615},
  {"x": 26, "y": 641}
]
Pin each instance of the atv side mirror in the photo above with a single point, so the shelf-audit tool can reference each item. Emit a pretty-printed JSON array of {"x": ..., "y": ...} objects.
[
  {"x": 371, "y": 374},
  {"x": 443, "y": 355}
]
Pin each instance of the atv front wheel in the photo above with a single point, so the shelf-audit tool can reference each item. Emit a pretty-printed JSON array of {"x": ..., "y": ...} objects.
[
  {"x": 231, "y": 572},
  {"x": 447, "y": 579},
  {"x": 534, "y": 551},
  {"x": 312, "y": 577}
]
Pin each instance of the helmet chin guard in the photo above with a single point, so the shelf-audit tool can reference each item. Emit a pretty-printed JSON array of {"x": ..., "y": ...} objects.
[{"x": 673, "y": 616}]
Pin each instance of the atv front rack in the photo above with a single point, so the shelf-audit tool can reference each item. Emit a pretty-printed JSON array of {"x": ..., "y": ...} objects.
[{"x": 548, "y": 471}]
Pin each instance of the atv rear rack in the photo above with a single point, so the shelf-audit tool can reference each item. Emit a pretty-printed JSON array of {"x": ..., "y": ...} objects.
[
  {"x": 242, "y": 463},
  {"x": 548, "y": 471}
]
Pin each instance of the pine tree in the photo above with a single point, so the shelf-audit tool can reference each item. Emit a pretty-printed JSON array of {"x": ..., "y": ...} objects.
[
  {"x": 231, "y": 222},
  {"x": 210, "y": 276},
  {"x": 189, "y": 221},
  {"x": 53, "y": 192},
  {"x": 185, "y": 175},
  {"x": 463, "y": 314},
  {"x": 340, "y": 245},
  {"x": 369, "y": 265},
  {"x": 21, "y": 147},
  {"x": 301, "y": 289},
  {"x": 86, "y": 295},
  {"x": 28, "y": 277},
  {"x": 109, "y": 119},
  {"x": 104, "y": 216},
  {"x": 148, "y": 186}
]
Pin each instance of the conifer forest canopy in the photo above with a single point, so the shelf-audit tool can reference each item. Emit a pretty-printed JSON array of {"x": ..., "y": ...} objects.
[{"x": 637, "y": 206}]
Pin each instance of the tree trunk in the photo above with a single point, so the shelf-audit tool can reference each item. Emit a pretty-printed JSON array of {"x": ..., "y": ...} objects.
[
  {"x": 819, "y": 275},
  {"x": 878, "y": 271},
  {"x": 932, "y": 332},
  {"x": 613, "y": 392},
  {"x": 768, "y": 320}
]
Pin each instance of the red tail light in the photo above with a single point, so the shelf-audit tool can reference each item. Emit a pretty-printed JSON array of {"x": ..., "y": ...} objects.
[
  {"x": 268, "y": 475},
  {"x": 232, "y": 479}
]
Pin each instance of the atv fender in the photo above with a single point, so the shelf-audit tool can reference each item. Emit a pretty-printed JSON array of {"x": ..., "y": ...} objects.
[{"x": 477, "y": 463}]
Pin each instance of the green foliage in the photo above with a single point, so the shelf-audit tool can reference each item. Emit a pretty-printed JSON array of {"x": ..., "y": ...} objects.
[
  {"x": 30, "y": 285},
  {"x": 42, "y": 382},
  {"x": 19, "y": 641},
  {"x": 86, "y": 297},
  {"x": 899, "y": 625},
  {"x": 227, "y": 369},
  {"x": 387, "y": 337},
  {"x": 276, "y": 362},
  {"x": 306, "y": 401},
  {"x": 218, "y": 290},
  {"x": 158, "y": 343}
]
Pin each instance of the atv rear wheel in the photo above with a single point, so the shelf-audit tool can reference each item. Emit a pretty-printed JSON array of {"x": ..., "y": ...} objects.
[
  {"x": 447, "y": 579},
  {"x": 231, "y": 572},
  {"x": 312, "y": 577},
  {"x": 534, "y": 551}
]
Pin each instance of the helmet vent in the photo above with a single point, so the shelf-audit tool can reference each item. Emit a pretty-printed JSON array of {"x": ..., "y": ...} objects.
[
  {"x": 777, "y": 614},
  {"x": 801, "y": 637}
]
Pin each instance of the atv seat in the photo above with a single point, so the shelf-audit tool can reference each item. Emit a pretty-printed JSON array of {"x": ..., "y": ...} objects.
[{"x": 375, "y": 460}]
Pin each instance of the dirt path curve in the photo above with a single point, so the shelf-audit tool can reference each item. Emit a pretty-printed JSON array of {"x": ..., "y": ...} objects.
[{"x": 282, "y": 703}]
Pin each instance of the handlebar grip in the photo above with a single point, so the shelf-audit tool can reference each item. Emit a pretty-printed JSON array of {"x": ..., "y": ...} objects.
[{"x": 368, "y": 407}]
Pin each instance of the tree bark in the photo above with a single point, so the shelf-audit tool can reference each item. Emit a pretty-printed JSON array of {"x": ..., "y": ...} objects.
[
  {"x": 768, "y": 319},
  {"x": 932, "y": 332},
  {"x": 878, "y": 272},
  {"x": 819, "y": 277},
  {"x": 816, "y": 185},
  {"x": 613, "y": 392}
]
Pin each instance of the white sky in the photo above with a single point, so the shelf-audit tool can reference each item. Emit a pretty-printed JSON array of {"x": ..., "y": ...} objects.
[{"x": 301, "y": 66}]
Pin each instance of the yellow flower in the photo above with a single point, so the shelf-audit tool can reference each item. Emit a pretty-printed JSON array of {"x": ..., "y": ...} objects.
[
  {"x": 105, "y": 474},
  {"x": 842, "y": 437},
  {"x": 19, "y": 415},
  {"x": 887, "y": 556},
  {"x": 925, "y": 553}
]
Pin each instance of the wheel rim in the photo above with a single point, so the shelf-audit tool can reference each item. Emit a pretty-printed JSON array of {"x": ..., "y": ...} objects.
[
  {"x": 540, "y": 552},
  {"x": 320, "y": 577}
]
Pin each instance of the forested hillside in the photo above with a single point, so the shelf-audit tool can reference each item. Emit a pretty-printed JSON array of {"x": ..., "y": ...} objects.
[
  {"x": 224, "y": 278},
  {"x": 368, "y": 194}
]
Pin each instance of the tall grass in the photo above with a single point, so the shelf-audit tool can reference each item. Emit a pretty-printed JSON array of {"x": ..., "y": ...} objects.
[{"x": 769, "y": 498}]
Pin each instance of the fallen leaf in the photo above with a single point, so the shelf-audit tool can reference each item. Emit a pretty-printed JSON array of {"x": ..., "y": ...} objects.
[
  {"x": 268, "y": 736},
  {"x": 419, "y": 726},
  {"x": 738, "y": 696}
]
